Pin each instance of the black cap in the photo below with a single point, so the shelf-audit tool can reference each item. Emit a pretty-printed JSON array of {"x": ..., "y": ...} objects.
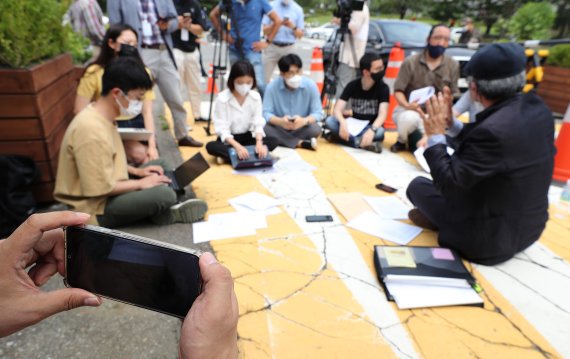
[{"x": 497, "y": 61}]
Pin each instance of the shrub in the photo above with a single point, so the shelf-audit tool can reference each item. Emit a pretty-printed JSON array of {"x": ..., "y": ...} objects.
[
  {"x": 533, "y": 21},
  {"x": 559, "y": 56},
  {"x": 31, "y": 31}
]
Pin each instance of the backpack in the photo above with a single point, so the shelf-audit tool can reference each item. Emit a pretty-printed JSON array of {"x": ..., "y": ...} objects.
[{"x": 16, "y": 199}]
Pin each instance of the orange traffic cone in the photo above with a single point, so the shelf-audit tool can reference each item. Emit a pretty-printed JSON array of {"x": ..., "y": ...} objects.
[
  {"x": 211, "y": 82},
  {"x": 562, "y": 159},
  {"x": 317, "y": 69},
  {"x": 394, "y": 62}
]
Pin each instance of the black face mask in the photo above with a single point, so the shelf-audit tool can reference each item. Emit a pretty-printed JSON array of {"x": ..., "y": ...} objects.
[
  {"x": 377, "y": 76},
  {"x": 128, "y": 50},
  {"x": 435, "y": 51}
]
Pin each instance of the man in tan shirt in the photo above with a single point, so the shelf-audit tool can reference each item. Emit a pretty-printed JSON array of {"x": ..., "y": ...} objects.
[
  {"x": 93, "y": 175},
  {"x": 428, "y": 68}
]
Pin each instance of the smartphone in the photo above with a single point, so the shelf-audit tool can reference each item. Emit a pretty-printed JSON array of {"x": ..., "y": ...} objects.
[
  {"x": 135, "y": 270},
  {"x": 291, "y": 119},
  {"x": 385, "y": 188},
  {"x": 167, "y": 18},
  {"x": 186, "y": 14},
  {"x": 317, "y": 218}
]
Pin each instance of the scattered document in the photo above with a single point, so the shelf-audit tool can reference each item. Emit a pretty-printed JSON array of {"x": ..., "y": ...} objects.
[
  {"x": 356, "y": 126},
  {"x": 254, "y": 220},
  {"x": 293, "y": 164},
  {"x": 388, "y": 207},
  {"x": 422, "y": 95},
  {"x": 254, "y": 171},
  {"x": 350, "y": 205},
  {"x": 266, "y": 212},
  {"x": 409, "y": 296},
  {"x": 210, "y": 231},
  {"x": 255, "y": 201},
  {"x": 419, "y": 154},
  {"x": 387, "y": 229}
]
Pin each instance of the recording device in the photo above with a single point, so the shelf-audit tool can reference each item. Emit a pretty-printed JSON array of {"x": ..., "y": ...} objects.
[
  {"x": 186, "y": 14},
  {"x": 132, "y": 269},
  {"x": 319, "y": 218},
  {"x": 385, "y": 188},
  {"x": 344, "y": 9},
  {"x": 291, "y": 118}
]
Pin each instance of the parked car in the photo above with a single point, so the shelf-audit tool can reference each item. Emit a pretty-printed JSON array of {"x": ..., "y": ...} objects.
[
  {"x": 321, "y": 32},
  {"x": 412, "y": 36}
]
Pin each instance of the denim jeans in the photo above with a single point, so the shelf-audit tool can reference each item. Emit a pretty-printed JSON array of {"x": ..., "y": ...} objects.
[
  {"x": 255, "y": 59},
  {"x": 334, "y": 126}
]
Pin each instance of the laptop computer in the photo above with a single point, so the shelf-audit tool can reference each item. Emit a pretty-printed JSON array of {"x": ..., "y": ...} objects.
[
  {"x": 187, "y": 172},
  {"x": 252, "y": 161}
]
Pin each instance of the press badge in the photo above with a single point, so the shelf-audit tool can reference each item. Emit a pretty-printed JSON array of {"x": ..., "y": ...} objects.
[{"x": 146, "y": 28}]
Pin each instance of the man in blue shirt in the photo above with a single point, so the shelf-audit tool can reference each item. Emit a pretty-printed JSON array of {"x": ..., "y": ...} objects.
[
  {"x": 245, "y": 34},
  {"x": 290, "y": 30},
  {"x": 292, "y": 106}
]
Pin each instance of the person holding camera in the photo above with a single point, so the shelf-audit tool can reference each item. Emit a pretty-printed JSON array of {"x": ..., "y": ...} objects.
[
  {"x": 154, "y": 21},
  {"x": 292, "y": 106},
  {"x": 369, "y": 97},
  {"x": 289, "y": 31},
  {"x": 353, "y": 43},
  {"x": 208, "y": 331},
  {"x": 187, "y": 51},
  {"x": 244, "y": 36}
]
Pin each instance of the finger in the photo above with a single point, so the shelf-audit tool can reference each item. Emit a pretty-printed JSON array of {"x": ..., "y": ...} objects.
[
  {"x": 218, "y": 281},
  {"x": 422, "y": 114},
  {"x": 30, "y": 232},
  {"x": 42, "y": 272},
  {"x": 65, "y": 299}
]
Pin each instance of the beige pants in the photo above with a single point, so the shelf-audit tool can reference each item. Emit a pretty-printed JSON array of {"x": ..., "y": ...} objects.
[
  {"x": 271, "y": 56},
  {"x": 188, "y": 64},
  {"x": 407, "y": 122}
]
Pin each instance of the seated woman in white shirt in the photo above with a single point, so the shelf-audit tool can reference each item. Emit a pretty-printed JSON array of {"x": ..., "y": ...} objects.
[{"x": 238, "y": 117}]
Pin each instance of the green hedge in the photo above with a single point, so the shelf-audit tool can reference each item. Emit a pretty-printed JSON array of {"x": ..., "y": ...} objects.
[
  {"x": 31, "y": 31},
  {"x": 559, "y": 56}
]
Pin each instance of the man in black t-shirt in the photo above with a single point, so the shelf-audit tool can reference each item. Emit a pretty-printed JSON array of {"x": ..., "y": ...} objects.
[
  {"x": 368, "y": 96},
  {"x": 192, "y": 22}
]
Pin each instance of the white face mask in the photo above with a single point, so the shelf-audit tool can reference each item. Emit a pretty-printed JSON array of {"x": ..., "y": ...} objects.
[
  {"x": 285, "y": 2},
  {"x": 294, "y": 82},
  {"x": 134, "y": 108},
  {"x": 243, "y": 89}
]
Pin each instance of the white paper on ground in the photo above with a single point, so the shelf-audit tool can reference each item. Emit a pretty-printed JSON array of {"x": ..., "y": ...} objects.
[
  {"x": 388, "y": 207},
  {"x": 267, "y": 212},
  {"x": 422, "y": 95},
  {"x": 419, "y": 296},
  {"x": 419, "y": 154},
  {"x": 294, "y": 164},
  {"x": 255, "y": 201},
  {"x": 210, "y": 231},
  {"x": 255, "y": 171},
  {"x": 393, "y": 231},
  {"x": 355, "y": 126},
  {"x": 255, "y": 220}
]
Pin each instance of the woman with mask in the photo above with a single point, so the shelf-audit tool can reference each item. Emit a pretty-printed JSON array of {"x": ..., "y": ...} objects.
[
  {"x": 120, "y": 40},
  {"x": 237, "y": 117}
]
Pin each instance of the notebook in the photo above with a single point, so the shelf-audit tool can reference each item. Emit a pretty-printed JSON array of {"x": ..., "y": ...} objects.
[
  {"x": 134, "y": 134},
  {"x": 252, "y": 161},
  {"x": 418, "y": 277},
  {"x": 187, "y": 172}
]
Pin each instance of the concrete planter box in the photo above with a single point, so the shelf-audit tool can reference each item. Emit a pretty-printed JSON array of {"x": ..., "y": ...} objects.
[
  {"x": 36, "y": 105},
  {"x": 555, "y": 88}
]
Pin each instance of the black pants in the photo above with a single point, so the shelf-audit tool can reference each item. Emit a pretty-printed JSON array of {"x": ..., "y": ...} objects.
[
  {"x": 423, "y": 194},
  {"x": 219, "y": 149}
]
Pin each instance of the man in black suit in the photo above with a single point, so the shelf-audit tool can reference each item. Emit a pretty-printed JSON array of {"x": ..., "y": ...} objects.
[{"x": 489, "y": 199}]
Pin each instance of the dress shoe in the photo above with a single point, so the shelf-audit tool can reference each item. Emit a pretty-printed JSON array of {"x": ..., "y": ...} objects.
[
  {"x": 398, "y": 147},
  {"x": 189, "y": 142},
  {"x": 418, "y": 218}
]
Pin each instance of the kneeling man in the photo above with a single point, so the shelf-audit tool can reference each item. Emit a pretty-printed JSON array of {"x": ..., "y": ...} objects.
[
  {"x": 292, "y": 106},
  {"x": 489, "y": 199},
  {"x": 93, "y": 175}
]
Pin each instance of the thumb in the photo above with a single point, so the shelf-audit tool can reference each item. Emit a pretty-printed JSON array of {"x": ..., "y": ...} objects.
[{"x": 67, "y": 299}]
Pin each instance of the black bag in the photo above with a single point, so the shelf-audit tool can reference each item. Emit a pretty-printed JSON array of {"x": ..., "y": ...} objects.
[{"x": 16, "y": 200}]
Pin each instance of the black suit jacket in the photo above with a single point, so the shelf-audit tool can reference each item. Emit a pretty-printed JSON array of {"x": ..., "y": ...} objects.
[{"x": 495, "y": 185}]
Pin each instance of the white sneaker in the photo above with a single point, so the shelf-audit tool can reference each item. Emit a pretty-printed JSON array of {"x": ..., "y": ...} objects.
[
  {"x": 314, "y": 143},
  {"x": 189, "y": 211}
]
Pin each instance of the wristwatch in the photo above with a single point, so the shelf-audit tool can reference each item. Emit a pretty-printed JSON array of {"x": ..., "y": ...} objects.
[{"x": 374, "y": 128}]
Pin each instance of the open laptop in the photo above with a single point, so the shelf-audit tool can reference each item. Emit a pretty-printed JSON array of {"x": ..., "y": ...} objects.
[
  {"x": 252, "y": 161},
  {"x": 187, "y": 172}
]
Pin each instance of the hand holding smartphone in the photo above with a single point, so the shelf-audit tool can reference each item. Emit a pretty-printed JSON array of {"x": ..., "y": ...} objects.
[{"x": 131, "y": 269}]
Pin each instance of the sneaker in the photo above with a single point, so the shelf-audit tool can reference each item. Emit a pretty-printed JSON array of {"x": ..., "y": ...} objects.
[
  {"x": 309, "y": 144},
  {"x": 374, "y": 147},
  {"x": 420, "y": 220},
  {"x": 398, "y": 147},
  {"x": 189, "y": 211},
  {"x": 220, "y": 160},
  {"x": 328, "y": 136},
  {"x": 184, "y": 195}
]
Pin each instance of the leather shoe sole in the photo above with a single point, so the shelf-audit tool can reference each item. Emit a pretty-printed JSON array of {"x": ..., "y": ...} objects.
[
  {"x": 189, "y": 142},
  {"x": 420, "y": 220}
]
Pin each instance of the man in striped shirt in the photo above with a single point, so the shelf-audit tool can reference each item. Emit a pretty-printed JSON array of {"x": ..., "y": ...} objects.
[{"x": 86, "y": 18}]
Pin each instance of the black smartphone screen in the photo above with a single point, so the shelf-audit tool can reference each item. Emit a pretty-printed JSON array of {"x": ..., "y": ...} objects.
[
  {"x": 318, "y": 218},
  {"x": 149, "y": 276},
  {"x": 385, "y": 188}
]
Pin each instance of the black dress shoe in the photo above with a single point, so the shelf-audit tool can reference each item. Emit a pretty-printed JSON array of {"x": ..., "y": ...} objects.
[
  {"x": 189, "y": 142},
  {"x": 398, "y": 147},
  {"x": 418, "y": 218}
]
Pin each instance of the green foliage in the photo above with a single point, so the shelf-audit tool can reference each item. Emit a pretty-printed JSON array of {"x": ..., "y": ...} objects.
[
  {"x": 533, "y": 21},
  {"x": 76, "y": 45},
  {"x": 559, "y": 56}
]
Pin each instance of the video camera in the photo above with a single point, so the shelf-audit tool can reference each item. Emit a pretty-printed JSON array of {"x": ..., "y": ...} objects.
[{"x": 344, "y": 9}]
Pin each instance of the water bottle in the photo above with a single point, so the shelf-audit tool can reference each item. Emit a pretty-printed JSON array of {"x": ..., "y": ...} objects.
[{"x": 564, "y": 202}]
